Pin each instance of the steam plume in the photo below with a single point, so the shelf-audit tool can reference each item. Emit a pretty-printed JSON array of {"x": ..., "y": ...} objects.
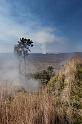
[{"x": 45, "y": 37}]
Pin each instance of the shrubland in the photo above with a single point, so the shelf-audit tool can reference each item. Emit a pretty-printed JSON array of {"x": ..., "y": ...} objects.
[{"x": 58, "y": 102}]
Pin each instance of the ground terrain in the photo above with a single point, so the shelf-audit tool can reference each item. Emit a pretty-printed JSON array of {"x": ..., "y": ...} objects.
[{"x": 58, "y": 102}]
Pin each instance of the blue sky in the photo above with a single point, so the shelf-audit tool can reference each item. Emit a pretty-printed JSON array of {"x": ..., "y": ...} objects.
[{"x": 53, "y": 25}]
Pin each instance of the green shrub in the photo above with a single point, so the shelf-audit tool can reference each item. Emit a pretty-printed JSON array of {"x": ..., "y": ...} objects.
[{"x": 45, "y": 75}]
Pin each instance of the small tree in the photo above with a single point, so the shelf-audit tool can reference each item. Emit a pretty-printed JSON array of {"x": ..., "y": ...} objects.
[
  {"x": 22, "y": 49},
  {"x": 50, "y": 71},
  {"x": 45, "y": 75}
]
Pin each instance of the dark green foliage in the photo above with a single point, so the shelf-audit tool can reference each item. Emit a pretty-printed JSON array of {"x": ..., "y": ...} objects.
[
  {"x": 78, "y": 77},
  {"x": 79, "y": 72},
  {"x": 45, "y": 75},
  {"x": 21, "y": 89},
  {"x": 61, "y": 81},
  {"x": 76, "y": 92},
  {"x": 50, "y": 71},
  {"x": 22, "y": 48},
  {"x": 77, "y": 119}
]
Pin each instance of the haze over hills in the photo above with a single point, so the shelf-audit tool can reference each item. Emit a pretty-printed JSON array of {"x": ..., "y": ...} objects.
[
  {"x": 41, "y": 61},
  {"x": 9, "y": 64}
]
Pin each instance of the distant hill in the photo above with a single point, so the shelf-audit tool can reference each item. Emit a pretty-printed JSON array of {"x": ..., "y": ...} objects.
[{"x": 40, "y": 61}]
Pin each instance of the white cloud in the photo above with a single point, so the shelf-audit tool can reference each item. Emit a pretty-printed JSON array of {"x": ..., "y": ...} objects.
[
  {"x": 46, "y": 36},
  {"x": 11, "y": 31}
]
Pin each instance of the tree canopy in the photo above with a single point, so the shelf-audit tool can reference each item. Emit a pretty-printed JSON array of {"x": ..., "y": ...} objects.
[{"x": 23, "y": 47}]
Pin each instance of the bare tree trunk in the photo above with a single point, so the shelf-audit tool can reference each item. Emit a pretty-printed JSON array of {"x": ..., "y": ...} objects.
[
  {"x": 25, "y": 67},
  {"x": 20, "y": 70}
]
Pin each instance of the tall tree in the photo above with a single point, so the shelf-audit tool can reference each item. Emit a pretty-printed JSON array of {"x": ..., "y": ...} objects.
[{"x": 22, "y": 49}]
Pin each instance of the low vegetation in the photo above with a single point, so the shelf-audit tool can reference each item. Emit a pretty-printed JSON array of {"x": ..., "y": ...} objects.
[
  {"x": 44, "y": 76},
  {"x": 58, "y": 102}
]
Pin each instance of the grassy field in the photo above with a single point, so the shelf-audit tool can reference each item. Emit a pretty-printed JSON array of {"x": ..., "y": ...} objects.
[{"x": 59, "y": 102}]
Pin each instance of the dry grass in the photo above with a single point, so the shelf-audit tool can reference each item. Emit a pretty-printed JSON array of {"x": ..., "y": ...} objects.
[
  {"x": 30, "y": 108},
  {"x": 33, "y": 108},
  {"x": 27, "y": 108},
  {"x": 41, "y": 107}
]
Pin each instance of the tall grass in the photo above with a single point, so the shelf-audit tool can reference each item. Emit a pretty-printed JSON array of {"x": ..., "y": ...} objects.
[
  {"x": 26, "y": 108},
  {"x": 30, "y": 108},
  {"x": 41, "y": 107}
]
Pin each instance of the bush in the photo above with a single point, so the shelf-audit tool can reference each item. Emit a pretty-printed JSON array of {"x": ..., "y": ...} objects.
[{"x": 45, "y": 75}]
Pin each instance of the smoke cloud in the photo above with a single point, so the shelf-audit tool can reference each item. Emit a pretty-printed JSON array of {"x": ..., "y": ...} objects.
[
  {"x": 46, "y": 37},
  {"x": 10, "y": 72}
]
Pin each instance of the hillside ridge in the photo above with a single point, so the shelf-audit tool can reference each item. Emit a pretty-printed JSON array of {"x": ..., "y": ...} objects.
[{"x": 67, "y": 87}]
